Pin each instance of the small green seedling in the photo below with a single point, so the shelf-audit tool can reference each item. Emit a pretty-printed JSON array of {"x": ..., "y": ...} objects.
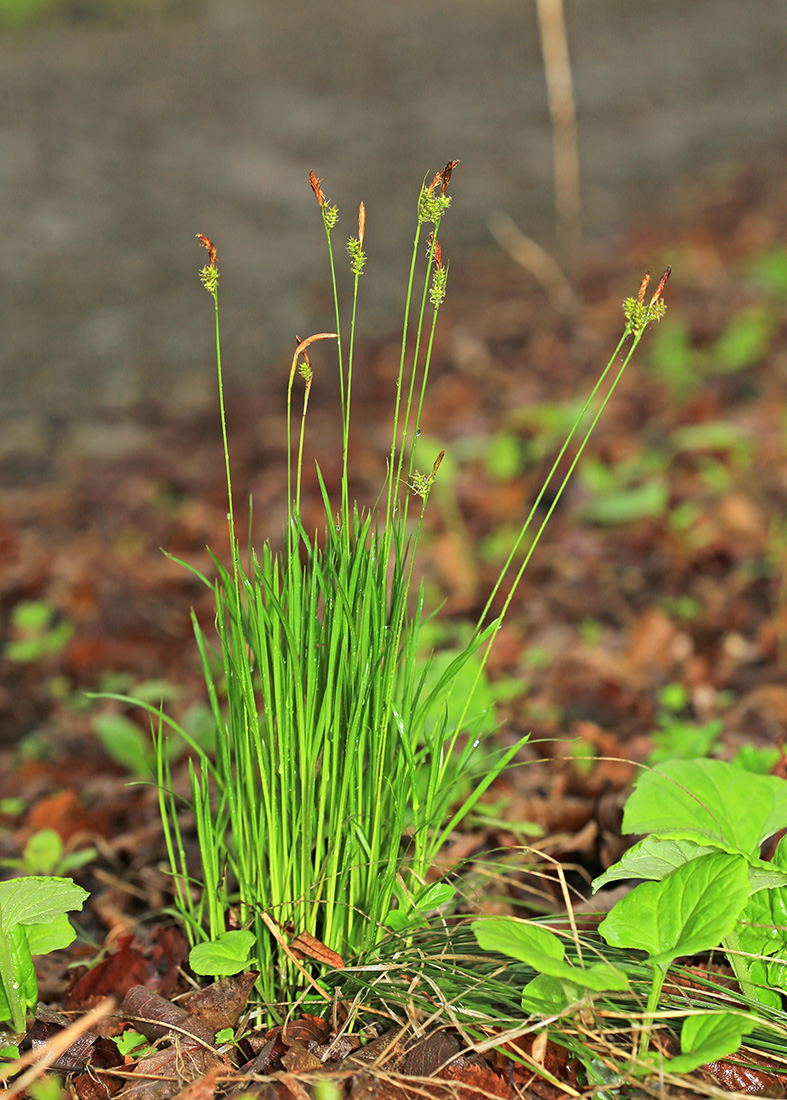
[
  {"x": 558, "y": 983},
  {"x": 411, "y": 912},
  {"x": 227, "y": 954},
  {"x": 631, "y": 490},
  {"x": 131, "y": 1042},
  {"x": 35, "y": 633},
  {"x": 677, "y": 738},
  {"x": 43, "y": 855},
  {"x": 33, "y": 921}
]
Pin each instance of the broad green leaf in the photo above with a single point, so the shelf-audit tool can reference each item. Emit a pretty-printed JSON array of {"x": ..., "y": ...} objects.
[
  {"x": 229, "y": 954},
  {"x": 441, "y": 893},
  {"x": 690, "y": 910},
  {"x": 18, "y": 985},
  {"x": 547, "y": 996},
  {"x": 763, "y": 925},
  {"x": 628, "y": 505},
  {"x": 657, "y": 856},
  {"x": 745, "y": 340},
  {"x": 544, "y": 952},
  {"x": 52, "y": 936},
  {"x": 538, "y": 947},
  {"x": 125, "y": 743},
  {"x": 652, "y": 858},
  {"x": 765, "y": 982},
  {"x": 43, "y": 851},
  {"x": 398, "y": 920},
  {"x": 708, "y": 1037},
  {"x": 708, "y": 798},
  {"x": 37, "y": 899}
]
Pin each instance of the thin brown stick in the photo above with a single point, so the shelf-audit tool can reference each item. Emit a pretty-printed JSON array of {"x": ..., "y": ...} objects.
[
  {"x": 562, "y": 108},
  {"x": 56, "y": 1046}
]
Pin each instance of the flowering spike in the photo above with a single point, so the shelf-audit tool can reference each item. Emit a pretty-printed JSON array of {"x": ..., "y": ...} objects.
[
  {"x": 637, "y": 314},
  {"x": 662, "y": 284},
  {"x": 209, "y": 274},
  {"x": 445, "y": 175},
  {"x": 434, "y": 251},
  {"x": 317, "y": 189},
  {"x": 207, "y": 243},
  {"x": 361, "y": 223},
  {"x": 643, "y": 286}
]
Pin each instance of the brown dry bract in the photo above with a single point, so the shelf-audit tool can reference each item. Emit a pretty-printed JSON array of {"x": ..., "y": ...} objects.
[
  {"x": 206, "y": 242},
  {"x": 316, "y": 188}
]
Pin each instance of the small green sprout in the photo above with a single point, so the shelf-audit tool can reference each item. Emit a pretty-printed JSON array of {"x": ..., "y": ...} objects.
[{"x": 35, "y": 633}]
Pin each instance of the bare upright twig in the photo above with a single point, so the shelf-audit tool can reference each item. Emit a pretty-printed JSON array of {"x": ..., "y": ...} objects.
[{"x": 557, "y": 71}]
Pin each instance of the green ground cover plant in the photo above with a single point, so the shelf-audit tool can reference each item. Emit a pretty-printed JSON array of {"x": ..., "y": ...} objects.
[
  {"x": 706, "y": 887},
  {"x": 33, "y": 921},
  {"x": 344, "y": 760},
  {"x": 700, "y": 809}
]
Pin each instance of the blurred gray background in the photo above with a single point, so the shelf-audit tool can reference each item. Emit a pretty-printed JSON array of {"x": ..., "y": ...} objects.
[{"x": 123, "y": 135}]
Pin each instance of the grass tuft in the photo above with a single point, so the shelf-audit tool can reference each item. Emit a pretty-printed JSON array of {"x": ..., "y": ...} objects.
[{"x": 337, "y": 766}]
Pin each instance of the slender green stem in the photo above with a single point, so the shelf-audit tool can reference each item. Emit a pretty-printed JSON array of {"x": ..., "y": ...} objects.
[
  {"x": 413, "y": 373},
  {"x": 389, "y": 508},
  {"x": 225, "y": 442},
  {"x": 346, "y": 419},
  {"x": 659, "y": 974},
  {"x": 732, "y": 946},
  {"x": 300, "y": 447}
]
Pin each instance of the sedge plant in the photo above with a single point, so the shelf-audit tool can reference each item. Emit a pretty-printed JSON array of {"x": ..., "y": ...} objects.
[{"x": 333, "y": 787}]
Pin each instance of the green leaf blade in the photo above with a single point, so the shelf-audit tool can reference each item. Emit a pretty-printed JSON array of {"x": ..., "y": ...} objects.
[{"x": 689, "y": 911}]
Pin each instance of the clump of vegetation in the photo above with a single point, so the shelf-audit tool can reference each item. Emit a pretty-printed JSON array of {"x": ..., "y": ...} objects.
[{"x": 342, "y": 757}]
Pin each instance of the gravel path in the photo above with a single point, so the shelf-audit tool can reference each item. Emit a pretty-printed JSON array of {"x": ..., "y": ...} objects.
[{"x": 118, "y": 142}]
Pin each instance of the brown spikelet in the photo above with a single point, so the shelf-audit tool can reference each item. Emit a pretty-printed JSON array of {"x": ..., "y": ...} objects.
[
  {"x": 445, "y": 175},
  {"x": 361, "y": 223},
  {"x": 437, "y": 462},
  {"x": 317, "y": 189},
  {"x": 643, "y": 286},
  {"x": 436, "y": 252},
  {"x": 662, "y": 284},
  {"x": 206, "y": 242}
]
